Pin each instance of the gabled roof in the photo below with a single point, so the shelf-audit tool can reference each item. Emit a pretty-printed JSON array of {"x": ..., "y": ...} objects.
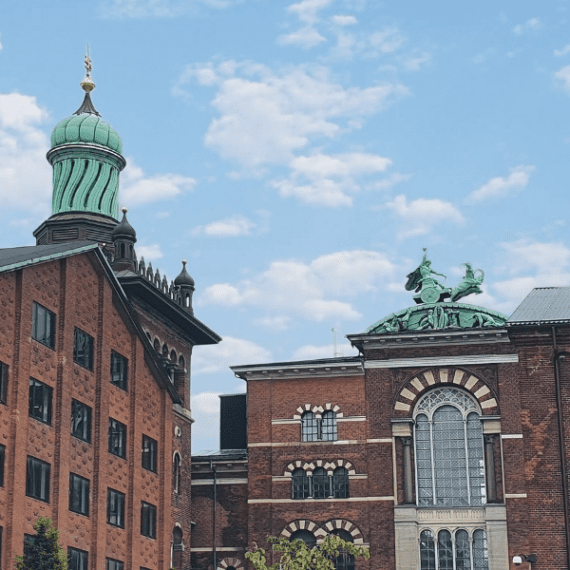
[
  {"x": 18, "y": 257},
  {"x": 543, "y": 305},
  {"x": 12, "y": 259}
]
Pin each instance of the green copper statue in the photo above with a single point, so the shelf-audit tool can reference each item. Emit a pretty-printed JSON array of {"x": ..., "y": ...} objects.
[{"x": 437, "y": 307}]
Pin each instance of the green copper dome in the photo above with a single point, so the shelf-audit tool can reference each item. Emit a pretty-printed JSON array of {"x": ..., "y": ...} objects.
[
  {"x": 86, "y": 158},
  {"x": 86, "y": 128}
]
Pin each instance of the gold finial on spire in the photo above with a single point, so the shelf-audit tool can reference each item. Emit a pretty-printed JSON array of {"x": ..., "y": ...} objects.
[{"x": 87, "y": 84}]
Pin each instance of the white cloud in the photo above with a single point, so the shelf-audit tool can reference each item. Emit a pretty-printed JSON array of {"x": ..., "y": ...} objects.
[
  {"x": 306, "y": 37},
  {"x": 564, "y": 77},
  {"x": 420, "y": 215},
  {"x": 136, "y": 188},
  {"x": 315, "y": 291},
  {"x": 1, "y": 46},
  {"x": 279, "y": 323},
  {"x": 230, "y": 227},
  {"x": 310, "y": 352},
  {"x": 307, "y": 10},
  {"x": 563, "y": 51},
  {"x": 531, "y": 24},
  {"x": 344, "y": 20},
  {"x": 141, "y": 9},
  {"x": 264, "y": 117},
  {"x": 231, "y": 351},
  {"x": 387, "y": 40},
  {"x": 499, "y": 187},
  {"x": 25, "y": 175},
  {"x": 331, "y": 178},
  {"x": 532, "y": 264},
  {"x": 206, "y": 402},
  {"x": 149, "y": 252}
]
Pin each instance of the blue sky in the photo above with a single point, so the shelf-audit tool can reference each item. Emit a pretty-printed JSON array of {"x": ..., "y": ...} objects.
[{"x": 300, "y": 155}]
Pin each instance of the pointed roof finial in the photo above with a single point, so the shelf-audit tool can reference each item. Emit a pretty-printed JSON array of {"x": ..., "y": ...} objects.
[{"x": 87, "y": 84}]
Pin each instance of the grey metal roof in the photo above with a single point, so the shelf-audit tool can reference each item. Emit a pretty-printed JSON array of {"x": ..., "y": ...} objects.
[
  {"x": 234, "y": 454},
  {"x": 16, "y": 257},
  {"x": 543, "y": 305}
]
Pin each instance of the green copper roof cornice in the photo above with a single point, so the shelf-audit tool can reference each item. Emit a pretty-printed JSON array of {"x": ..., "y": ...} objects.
[{"x": 85, "y": 179}]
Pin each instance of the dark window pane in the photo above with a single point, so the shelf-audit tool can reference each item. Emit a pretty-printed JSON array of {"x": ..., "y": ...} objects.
[
  {"x": 444, "y": 550},
  {"x": 113, "y": 564},
  {"x": 340, "y": 483},
  {"x": 328, "y": 426},
  {"x": 176, "y": 474},
  {"x": 77, "y": 559},
  {"x": 43, "y": 325},
  {"x": 83, "y": 349},
  {"x": 117, "y": 438},
  {"x": 321, "y": 484},
  {"x": 78, "y": 494},
  {"x": 2, "y": 460},
  {"x": 462, "y": 551},
  {"x": 119, "y": 370},
  {"x": 480, "y": 552},
  {"x": 80, "y": 420},
  {"x": 40, "y": 401},
  {"x": 116, "y": 508},
  {"x": 148, "y": 520},
  {"x": 300, "y": 484},
  {"x": 3, "y": 382},
  {"x": 427, "y": 551},
  {"x": 37, "y": 479},
  {"x": 344, "y": 561},
  {"x": 309, "y": 427},
  {"x": 149, "y": 453},
  {"x": 306, "y": 536}
]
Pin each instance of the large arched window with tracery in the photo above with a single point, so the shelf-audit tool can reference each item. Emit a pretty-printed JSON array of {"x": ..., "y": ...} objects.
[{"x": 450, "y": 470}]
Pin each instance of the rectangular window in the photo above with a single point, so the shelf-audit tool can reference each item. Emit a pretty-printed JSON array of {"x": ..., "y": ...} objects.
[
  {"x": 113, "y": 564},
  {"x": 2, "y": 459},
  {"x": 78, "y": 494},
  {"x": 40, "y": 401},
  {"x": 3, "y": 382},
  {"x": 77, "y": 559},
  {"x": 117, "y": 438},
  {"x": 148, "y": 520},
  {"x": 83, "y": 349},
  {"x": 37, "y": 479},
  {"x": 28, "y": 543},
  {"x": 80, "y": 420},
  {"x": 119, "y": 369},
  {"x": 116, "y": 508},
  {"x": 149, "y": 453},
  {"x": 43, "y": 325}
]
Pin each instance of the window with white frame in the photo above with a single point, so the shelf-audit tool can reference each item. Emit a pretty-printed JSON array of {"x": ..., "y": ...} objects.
[
  {"x": 314, "y": 428},
  {"x": 450, "y": 470},
  {"x": 459, "y": 550}
]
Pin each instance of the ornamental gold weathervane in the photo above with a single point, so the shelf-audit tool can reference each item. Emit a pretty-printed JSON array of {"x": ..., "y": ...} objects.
[
  {"x": 437, "y": 304},
  {"x": 87, "y": 84}
]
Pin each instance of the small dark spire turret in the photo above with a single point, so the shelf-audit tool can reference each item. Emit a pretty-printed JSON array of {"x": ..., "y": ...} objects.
[
  {"x": 124, "y": 239},
  {"x": 186, "y": 287}
]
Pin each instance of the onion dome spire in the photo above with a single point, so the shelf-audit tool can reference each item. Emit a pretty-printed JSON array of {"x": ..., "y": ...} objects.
[
  {"x": 185, "y": 286},
  {"x": 86, "y": 158},
  {"x": 124, "y": 238}
]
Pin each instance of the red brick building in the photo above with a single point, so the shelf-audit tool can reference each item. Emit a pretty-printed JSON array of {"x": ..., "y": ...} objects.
[
  {"x": 95, "y": 352},
  {"x": 443, "y": 445}
]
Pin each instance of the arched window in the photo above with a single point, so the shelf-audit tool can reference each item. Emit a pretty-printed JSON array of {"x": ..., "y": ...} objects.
[
  {"x": 182, "y": 363},
  {"x": 309, "y": 427},
  {"x": 300, "y": 484},
  {"x": 344, "y": 561},
  {"x": 306, "y": 536},
  {"x": 321, "y": 484},
  {"x": 340, "y": 483},
  {"x": 328, "y": 426},
  {"x": 173, "y": 356},
  {"x": 165, "y": 350},
  {"x": 176, "y": 473},
  {"x": 450, "y": 469},
  {"x": 453, "y": 552},
  {"x": 156, "y": 345}
]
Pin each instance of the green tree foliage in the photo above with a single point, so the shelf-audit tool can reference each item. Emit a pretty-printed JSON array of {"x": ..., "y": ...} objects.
[
  {"x": 297, "y": 556},
  {"x": 43, "y": 552}
]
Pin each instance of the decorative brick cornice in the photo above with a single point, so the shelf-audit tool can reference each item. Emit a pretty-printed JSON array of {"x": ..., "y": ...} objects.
[{"x": 303, "y": 369}]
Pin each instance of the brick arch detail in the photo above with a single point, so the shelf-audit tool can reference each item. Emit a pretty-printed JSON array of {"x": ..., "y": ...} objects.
[
  {"x": 329, "y": 466},
  {"x": 343, "y": 524},
  {"x": 235, "y": 562},
  {"x": 408, "y": 395},
  {"x": 317, "y": 410},
  {"x": 304, "y": 524}
]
